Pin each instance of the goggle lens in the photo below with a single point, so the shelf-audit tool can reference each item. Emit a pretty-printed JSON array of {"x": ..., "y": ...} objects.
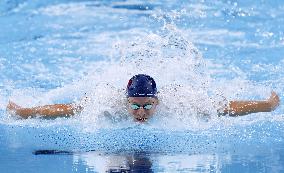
[
  {"x": 148, "y": 106},
  {"x": 135, "y": 106}
]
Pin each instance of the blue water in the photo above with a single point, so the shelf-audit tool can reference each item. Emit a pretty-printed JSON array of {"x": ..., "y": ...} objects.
[{"x": 56, "y": 51}]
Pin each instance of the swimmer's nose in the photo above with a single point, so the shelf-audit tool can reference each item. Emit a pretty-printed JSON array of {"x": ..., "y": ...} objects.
[{"x": 141, "y": 113}]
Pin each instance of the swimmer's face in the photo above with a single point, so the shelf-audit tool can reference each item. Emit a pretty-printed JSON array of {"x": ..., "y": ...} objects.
[{"x": 142, "y": 108}]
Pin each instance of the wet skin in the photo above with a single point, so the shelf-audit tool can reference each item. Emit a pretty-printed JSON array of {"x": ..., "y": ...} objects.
[{"x": 141, "y": 114}]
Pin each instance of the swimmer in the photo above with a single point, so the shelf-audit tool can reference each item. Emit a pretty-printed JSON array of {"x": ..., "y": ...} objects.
[{"x": 141, "y": 93}]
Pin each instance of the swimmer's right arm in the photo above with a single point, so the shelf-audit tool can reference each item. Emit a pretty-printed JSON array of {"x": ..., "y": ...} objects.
[{"x": 56, "y": 110}]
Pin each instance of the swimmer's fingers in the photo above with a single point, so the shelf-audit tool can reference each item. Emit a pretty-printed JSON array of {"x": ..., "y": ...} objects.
[
  {"x": 12, "y": 107},
  {"x": 274, "y": 100}
]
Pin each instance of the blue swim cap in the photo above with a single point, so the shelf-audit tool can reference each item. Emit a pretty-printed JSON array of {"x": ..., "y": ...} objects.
[{"x": 141, "y": 85}]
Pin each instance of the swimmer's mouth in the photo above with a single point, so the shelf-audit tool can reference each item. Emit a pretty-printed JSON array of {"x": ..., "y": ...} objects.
[{"x": 142, "y": 119}]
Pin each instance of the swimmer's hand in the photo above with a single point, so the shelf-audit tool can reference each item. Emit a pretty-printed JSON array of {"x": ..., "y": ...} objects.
[
  {"x": 237, "y": 108},
  {"x": 56, "y": 110},
  {"x": 274, "y": 101},
  {"x": 12, "y": 107}
]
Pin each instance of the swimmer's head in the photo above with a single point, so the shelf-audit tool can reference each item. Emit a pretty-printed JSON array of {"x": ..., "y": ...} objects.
[
  {"x": 141, "y": 85},
  {"x": 142, "y": 97}
]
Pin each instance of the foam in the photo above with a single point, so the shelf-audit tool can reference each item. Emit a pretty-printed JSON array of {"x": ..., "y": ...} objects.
[{"x": 183, "y": 77}]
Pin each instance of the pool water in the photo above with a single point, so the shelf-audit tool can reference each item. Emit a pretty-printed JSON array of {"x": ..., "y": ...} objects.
[{"x": 58, "y": 51}]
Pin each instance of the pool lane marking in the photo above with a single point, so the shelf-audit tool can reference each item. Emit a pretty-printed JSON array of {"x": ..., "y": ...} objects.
[{"x": 52, "y": 152}]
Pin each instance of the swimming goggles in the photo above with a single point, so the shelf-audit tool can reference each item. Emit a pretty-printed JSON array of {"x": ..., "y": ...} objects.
[{"x": 135, "y": 106}]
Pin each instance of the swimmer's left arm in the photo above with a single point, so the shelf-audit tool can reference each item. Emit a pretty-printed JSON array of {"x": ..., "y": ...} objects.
[{"x": 238, "y": 108}]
